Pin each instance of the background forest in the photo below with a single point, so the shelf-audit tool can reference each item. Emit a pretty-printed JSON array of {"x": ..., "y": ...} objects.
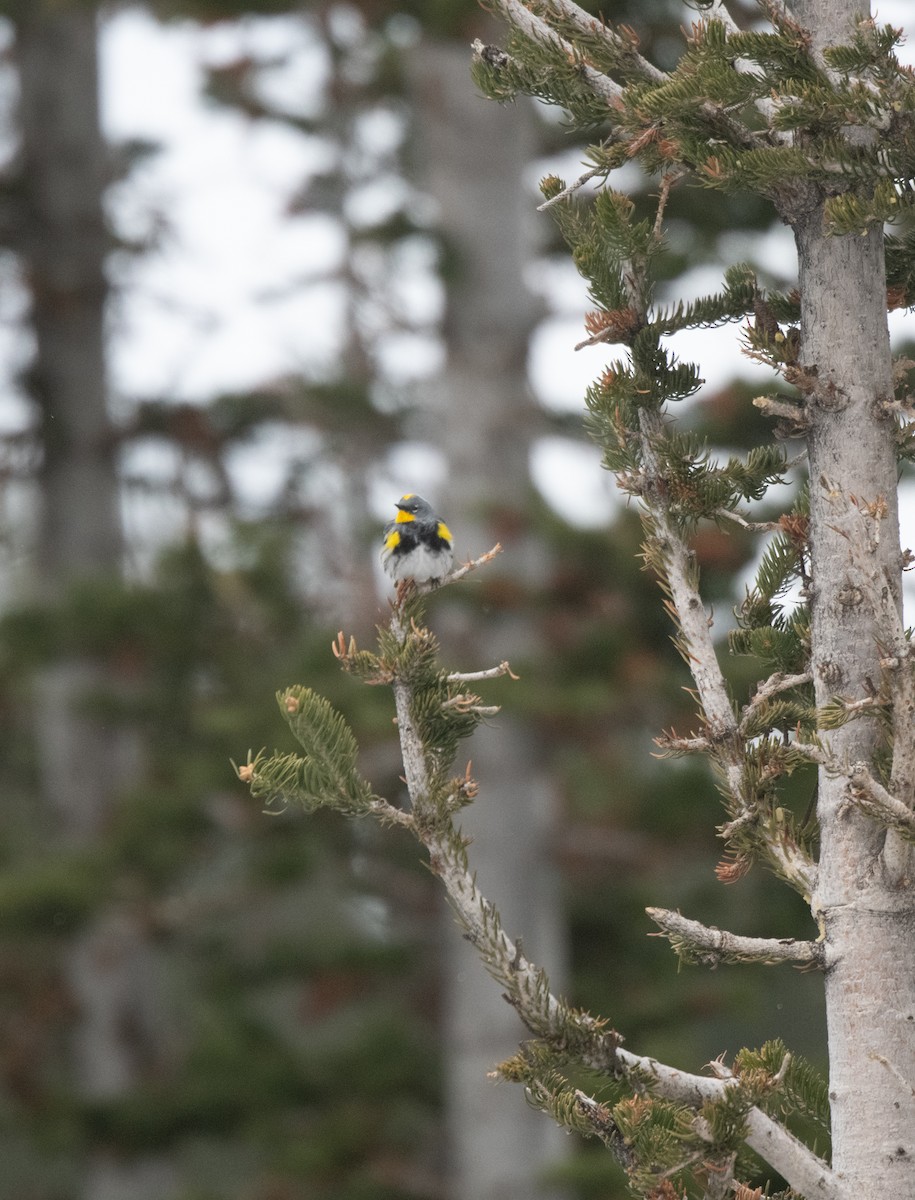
[{"x": 199, "y": 1001}]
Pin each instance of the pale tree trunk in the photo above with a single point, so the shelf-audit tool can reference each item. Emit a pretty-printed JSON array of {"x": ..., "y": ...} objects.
[
  {"x": 864, "y": 897},
  {"x": 63, "y": 242},
  {"x": 474, "y": 156},
  {"x": 84, "y": 762}
]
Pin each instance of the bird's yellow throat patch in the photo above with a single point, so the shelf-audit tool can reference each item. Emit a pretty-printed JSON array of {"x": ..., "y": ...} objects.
[{"x": 403, "y": 517}]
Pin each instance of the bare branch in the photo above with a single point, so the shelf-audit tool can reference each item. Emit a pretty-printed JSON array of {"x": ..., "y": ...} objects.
[
  {"x": 815, "y": 754},
  {"x": 710, "y": 946},
  {"x": 752, "y": 526},
  {"x": 791, "y": 1158},
  {"x": 467, "y": 567},
  {"x": 770, "y": 687},
  {"x": 670, "y": 743},
  {"x": 471, "y": 704},
  {"x": 475, "y": 676},
  {"x": 696, "y": 643},
  {"x": 411, "y": 747},
  {"x": 786, "y": 410},
  {"x": 668, "y": 180},
  {"x": 609, "y": 335},
  {"x": 855, "y": 708},
  {"x": 869, "y": 794},
  {"x": 805, "y": 1172},
  {"x": 570, "y": 189},
  {"x": 407, "y": 585}
]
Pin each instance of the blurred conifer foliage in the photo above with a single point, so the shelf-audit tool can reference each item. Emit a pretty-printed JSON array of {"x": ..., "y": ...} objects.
[{"x": 169, "y": 1026}]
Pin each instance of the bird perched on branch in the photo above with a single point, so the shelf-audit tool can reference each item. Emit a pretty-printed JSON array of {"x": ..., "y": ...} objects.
[{"x": 418, "y": 545}]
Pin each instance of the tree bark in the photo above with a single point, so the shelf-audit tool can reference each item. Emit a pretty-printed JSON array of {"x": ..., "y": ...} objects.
[{"x": 864, "y": 898}]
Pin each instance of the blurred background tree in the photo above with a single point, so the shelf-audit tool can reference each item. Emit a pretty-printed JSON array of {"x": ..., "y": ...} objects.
[{"x": 200, "y": 1001}]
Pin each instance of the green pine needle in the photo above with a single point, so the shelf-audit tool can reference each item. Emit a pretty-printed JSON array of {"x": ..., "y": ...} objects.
[{"x": 326, "y": 775}]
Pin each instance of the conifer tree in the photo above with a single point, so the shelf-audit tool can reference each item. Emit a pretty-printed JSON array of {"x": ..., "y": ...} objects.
[{"x": 810, "y": 109}]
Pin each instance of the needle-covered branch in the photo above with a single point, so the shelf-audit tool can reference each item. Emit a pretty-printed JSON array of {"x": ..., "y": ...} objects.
[
  {"x": 671, "y": 556},
  {"x": 680, "y": 575},
  {"x": 550, "y": 1019},
  {"x": 605, "y": 88},
  {"x": 807, "y": 1174},
  {"x": 717, "y": 1115},
  {"x": 622, "y": 49},
  {"x": 679, "y": 484},
  {"x": 559, "y": 52}
]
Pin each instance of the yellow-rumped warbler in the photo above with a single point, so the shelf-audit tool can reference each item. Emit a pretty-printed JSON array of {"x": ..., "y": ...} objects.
[{"x": 417, "y": 544}]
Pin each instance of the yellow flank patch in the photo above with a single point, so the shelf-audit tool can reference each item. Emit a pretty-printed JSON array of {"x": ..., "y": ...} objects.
[
  {"x": 402, "y": 517},
  {"x": 444, "y": 532},
  {"x": 392, "y": 541}
]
